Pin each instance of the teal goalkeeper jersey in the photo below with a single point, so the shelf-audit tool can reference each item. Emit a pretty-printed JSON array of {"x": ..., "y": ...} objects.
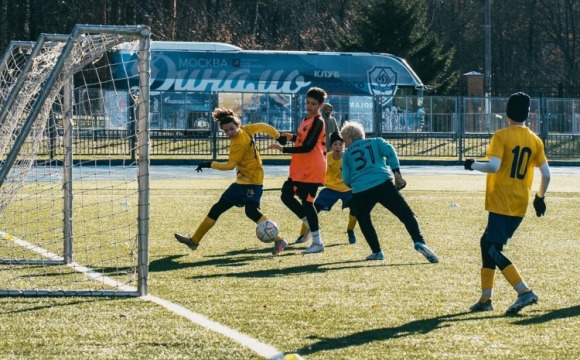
[{"x": 364, "y": 163}]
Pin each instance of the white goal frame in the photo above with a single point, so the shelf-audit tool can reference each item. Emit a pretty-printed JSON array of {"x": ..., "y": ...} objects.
[{"x": 59, "y": 81}]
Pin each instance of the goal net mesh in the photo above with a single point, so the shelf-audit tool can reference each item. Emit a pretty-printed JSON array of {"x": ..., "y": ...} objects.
[{"x": 71, "y": 208}]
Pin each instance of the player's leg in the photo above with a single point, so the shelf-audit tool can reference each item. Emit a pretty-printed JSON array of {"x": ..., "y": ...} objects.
[
  {"x": 393, "y": 200},
  {"x": 362, "y": 204},
  {"x": 216, "y": 210},
  {"x": 500, "y": 229},
  {"x": 305, "y": 233},
  {"x": 487, "y": 274},
  {"x": 307, "y": 193},
  {"x": 346, "y": 199},
  {"x": 288, "y": 198},
  {"x": 325, "y": 200}
]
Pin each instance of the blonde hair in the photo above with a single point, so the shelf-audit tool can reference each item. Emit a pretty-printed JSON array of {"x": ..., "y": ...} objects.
[
  {"x": 226, "y": 116},
  {"x": 352, "y": 131}
]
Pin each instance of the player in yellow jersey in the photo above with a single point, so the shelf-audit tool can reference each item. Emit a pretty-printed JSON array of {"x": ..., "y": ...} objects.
[
  {"x": 335, "y": 189},
  {"x": 513, "y": 153},
  {"x": 247, "y": 190}
]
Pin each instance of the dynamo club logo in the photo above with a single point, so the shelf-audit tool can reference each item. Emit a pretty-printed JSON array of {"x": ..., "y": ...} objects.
[{"x": 382, "y": 80}]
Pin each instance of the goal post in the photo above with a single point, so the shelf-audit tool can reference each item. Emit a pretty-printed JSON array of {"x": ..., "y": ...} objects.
[{"x": 74, "y": 225}]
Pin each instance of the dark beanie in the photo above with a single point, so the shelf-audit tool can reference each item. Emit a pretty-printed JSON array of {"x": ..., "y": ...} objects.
[
  {"x": 518, "y": 107},
  {"x": 334, "y": 136}
]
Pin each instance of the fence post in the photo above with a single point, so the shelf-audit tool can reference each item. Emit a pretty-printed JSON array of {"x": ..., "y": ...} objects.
[
  {"x": 377, "y": 115},
  {"x": 459, "y": 125},
  {"x": 213, "y": 127},
  {"x": 545, "y": 121}
]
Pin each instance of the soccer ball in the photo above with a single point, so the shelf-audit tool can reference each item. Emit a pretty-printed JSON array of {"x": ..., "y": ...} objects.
[{"x": 266, "y": 231}]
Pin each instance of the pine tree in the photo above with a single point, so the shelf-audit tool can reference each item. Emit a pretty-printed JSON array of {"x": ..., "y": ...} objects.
[{"x": 399, "y": 27}]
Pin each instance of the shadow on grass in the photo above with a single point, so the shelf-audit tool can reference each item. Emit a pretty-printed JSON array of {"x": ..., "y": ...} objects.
[
  {"x": 240, "y": 258},
  {"x": 551, "y": 315},
  {"x": 169, "y": 263},
  {"x": 53, "y": 305},
  {"x": 422, "y": 326}
]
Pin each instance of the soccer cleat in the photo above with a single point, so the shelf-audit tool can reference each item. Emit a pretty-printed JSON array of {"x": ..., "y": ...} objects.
[
  {"x": 351, "y": 236},
  {"x": 186, "y": 240},
  {"x": 481, "y": 306},
  {"x": 522, "y": 301},
  {"x": 426, "y": 252},
  {"x": 314, "y": 248},
  {"x": 279, "y": 246},
  {"x": 304, "y": 238},
  {"x": 376, "y": 256}
]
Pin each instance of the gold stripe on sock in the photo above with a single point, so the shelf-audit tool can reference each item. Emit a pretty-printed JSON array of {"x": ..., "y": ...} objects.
[
  {"x": 303, "y": 229},
  {"x": 351, "y": 222},
  {"x": 202, "y": 229},
  {"x": 512, "y": 275}
]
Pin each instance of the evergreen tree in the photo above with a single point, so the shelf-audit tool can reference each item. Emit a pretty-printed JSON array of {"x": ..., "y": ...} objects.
[{"x": 399, "y": 27}]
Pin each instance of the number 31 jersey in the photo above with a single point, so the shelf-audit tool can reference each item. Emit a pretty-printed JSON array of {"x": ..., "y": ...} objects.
[
  {"x": 364, "y": 163},
  {"x": 520, "y": 150}
]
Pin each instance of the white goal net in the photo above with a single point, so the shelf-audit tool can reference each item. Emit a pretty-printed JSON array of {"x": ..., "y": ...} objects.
[{"x": 74, "y": 164}]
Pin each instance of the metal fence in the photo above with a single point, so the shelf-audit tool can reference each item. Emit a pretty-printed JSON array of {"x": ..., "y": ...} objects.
[{"x": 429, "y": 127}]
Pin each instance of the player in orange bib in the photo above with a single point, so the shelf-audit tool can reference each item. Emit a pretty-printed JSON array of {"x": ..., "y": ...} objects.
[{"x": 307, "y": 166}]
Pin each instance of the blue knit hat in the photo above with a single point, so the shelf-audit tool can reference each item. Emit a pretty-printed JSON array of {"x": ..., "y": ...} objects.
[{"x": 335, "y": 136}]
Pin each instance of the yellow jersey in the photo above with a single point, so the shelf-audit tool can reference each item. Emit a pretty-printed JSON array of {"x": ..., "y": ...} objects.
[
  {"x": 334, "y": 174},
  {"x": 508, "y": 190},
  {"x": 244, "y": 156}
]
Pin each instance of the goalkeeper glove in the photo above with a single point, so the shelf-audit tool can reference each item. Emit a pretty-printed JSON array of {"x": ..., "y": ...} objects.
[
  {"x": 282, "y": 140},
  {"x": 205, "y": 164},
  {"x": 400, "y": 183},
  {"x": 467, "y": 164},
  {"x": 539, "y": 205}
]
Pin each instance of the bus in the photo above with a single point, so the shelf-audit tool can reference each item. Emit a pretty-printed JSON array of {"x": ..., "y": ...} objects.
[{"x": 190, "y": 79}]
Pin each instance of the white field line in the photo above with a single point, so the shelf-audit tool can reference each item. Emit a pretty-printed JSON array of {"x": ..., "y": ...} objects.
[{"x": 260, "y": 348}]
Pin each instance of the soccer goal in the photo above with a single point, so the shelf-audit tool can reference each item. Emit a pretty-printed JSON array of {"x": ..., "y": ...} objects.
[{"x": 74, "y": 217}]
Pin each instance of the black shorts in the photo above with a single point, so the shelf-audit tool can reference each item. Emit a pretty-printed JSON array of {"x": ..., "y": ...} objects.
[{"x": 304, "y": 191}]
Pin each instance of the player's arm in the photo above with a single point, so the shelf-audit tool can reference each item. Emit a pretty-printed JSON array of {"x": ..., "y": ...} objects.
[
  {"x": 388, "y": 152},
  {"x": 492, "y": 166},
  {"x": 237, "y": 152},
  {"x": 345, "y": 168},
  {"x": 262, "y": 128},
  {"x": 539, "y": 200},
  {"x": 310, "y": 140},
  {"x": 546, "y": 176}
]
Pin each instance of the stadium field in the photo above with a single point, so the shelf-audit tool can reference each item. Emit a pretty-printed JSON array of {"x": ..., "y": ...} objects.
[{"x": 231, "y": 299}]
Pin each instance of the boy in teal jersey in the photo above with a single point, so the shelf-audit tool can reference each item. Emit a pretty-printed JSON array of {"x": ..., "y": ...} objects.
[{"x": 365, "y": 169}]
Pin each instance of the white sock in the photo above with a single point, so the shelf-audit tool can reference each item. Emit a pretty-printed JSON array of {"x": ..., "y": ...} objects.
[
  {"x": 521, "y": 287},
  {"x": 316, "y": 237}
]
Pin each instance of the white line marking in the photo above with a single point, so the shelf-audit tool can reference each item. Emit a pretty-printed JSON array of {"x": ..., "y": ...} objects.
[{"x": 260, "y": 348}]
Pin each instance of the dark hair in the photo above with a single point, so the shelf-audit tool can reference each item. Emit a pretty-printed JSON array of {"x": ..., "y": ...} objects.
[
  {"x": 225, "y": 116},
  {"x": 518, "y": 107},
  {"x": 317, "y": 93}
]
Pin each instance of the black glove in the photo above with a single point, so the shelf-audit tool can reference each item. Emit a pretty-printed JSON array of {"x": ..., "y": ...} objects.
[
  {"x": 400, "y": 183},
  {"x": 205, "y": 164},
  {"x": 467, "y": 164},
  {"x": 539, "y": 205},
  {"x": 282, "y": 140}
]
